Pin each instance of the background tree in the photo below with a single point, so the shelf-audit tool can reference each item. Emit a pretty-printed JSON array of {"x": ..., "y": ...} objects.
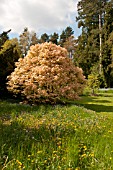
[
  {"x": 26, "y": 39},
  {"x": 54, "y": 38},
  {"x": 44, "y": 38},
  {"x": 93, "y": 17},
  {"x": 65, "y": 35},
  {"x": 9, "y": 54},
  {"x": 4, "y": 37},
  {"x": 70, "y": 45},
  {"x": 34, "y": 39}
]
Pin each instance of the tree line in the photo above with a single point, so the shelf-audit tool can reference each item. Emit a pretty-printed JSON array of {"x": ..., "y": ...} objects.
[
  {"x": 27, "y": 38},
  {"x": 94, "y": 50}
]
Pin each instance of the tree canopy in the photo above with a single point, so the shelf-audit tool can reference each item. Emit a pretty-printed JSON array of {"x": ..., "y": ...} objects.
[
  {"x": 95, "y": 19},
  {"x": 46, "y": 74}
]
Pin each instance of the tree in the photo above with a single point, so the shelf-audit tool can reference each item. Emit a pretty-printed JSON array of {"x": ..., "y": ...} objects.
[
  {"x": 26, "y": 39},
  {"x": 34, "y": 39},
  {"x": 54, "y": 38},
  {"x": 4, "y": 37},
  {"x": 39, "y": 76},
  {"x": 65, "y": 35},
  {"x": 93, "y": 82},
  {"x": 44, "y": 38},
  {"x": 9, "y": 54},
  {"x": 70, "y": 45},
  {"x": 94, "y": 18}
]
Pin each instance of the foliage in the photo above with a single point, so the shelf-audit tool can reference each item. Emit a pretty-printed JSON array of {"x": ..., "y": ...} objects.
[
  {"x": 93, "y": 82},
  {"x": 54, "y": 38},
  {"x": 70, "y": 45},
  {"x": 26, "y": 39},
  {"x": 4, "y": 37},
  {"x": 95, "y": 19},
  {"x": 57, "y": 137},
  {"x": 46, "y": 74},
  {"x": 44, "y": 38},
  {"x": 65, "y": 35},
  {"x": 9, "y": 54}
]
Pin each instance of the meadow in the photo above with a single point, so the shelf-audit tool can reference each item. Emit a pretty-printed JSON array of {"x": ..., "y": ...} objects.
[{"x": 73, "y": 136}]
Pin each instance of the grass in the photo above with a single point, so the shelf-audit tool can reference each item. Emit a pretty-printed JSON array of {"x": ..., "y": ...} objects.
[
  {"x": 58, "y": 137},
  {"x": 102, "y": 103}
]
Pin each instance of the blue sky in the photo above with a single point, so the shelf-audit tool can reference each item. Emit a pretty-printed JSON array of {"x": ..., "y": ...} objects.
[{"x": 39, "y": 16}]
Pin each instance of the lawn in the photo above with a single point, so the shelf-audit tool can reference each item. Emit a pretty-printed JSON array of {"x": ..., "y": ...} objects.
[
  {"x": 102, "y": 103},
  {"x": 57, "y": 137}
]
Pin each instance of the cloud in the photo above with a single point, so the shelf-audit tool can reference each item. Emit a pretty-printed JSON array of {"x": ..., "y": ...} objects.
[{"x": 37, "y": 15}]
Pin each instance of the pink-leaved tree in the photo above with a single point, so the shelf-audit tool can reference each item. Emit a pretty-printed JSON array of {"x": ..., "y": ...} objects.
[{"x": 46, "y": 74}]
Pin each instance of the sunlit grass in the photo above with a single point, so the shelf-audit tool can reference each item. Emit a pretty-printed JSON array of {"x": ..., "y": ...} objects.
[
  {"x": 101, "y": 103},
  {"x": 59, "y": 137}
]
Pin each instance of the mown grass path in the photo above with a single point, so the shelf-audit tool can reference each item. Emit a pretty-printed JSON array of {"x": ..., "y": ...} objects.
[{"x": 102, "y": 103}]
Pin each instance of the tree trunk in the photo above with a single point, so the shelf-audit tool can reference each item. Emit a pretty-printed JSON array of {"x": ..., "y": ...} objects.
[{"x": 100, "y": 36}]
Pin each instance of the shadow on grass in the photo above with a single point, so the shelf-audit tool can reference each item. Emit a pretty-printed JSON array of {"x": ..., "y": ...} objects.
[
  {"x": 9, "y": 109},
  {"x": 97, "y": 108},
  {"x": 95, "y": 103}
]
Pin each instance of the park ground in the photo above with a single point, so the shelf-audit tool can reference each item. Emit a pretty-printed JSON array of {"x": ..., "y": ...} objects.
[{"x": 73, "y": 136}]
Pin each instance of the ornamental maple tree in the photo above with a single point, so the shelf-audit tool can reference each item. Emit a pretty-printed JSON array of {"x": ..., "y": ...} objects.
[{"x": 46, "y": 74}]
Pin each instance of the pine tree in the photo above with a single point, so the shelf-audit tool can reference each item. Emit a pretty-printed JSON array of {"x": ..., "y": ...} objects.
[
  {"x": 54, "y": 38},
  {"x": 93, "y": 19},
  {"x": 65, "y": 35},
  {"x": 44, "y": 38}
]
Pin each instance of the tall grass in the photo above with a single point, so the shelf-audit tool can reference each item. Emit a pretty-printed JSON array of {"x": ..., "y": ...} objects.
[{"x": 59, "y": 137}]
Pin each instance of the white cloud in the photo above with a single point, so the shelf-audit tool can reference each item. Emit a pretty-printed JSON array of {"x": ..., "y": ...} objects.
[{"x": 38, "y": 15}]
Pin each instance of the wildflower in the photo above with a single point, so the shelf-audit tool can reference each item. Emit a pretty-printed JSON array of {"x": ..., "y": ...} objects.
[
  {"x": 59, "y": 147},
  {"x": 45, "y": 161},
  {"x": 91, "y": 154},
  {"x": 19, "y": 162},
  {"x": 39, "y": 152},
  {"x": 77, "y": 168},
  {"x": 85, "y": 148},
  {"x": 32, "y": 161},
  {"x": 84, "y": 155}
]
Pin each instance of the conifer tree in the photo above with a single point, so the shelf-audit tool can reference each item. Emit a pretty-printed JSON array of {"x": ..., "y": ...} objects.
[{"x": 94, "y": 18}]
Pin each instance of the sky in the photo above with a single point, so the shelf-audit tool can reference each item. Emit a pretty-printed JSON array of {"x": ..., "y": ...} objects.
[{"x": 40, "y": 16}]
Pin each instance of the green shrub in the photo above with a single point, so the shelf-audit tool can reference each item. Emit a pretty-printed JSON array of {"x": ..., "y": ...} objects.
[{"x": 93, "y": 82}]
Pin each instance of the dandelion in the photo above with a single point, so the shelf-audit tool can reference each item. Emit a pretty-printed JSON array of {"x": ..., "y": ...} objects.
[
  {"x": 45, "y": 161},
  {"x": 39, "y": 152},
  {"x": 91, "y": 154},
  {"x": 85, "y": 148},
  {"x": 77, "y": 168},
  {"x": 19, "y": 162},
  {"x": 84, "y": 155}
]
